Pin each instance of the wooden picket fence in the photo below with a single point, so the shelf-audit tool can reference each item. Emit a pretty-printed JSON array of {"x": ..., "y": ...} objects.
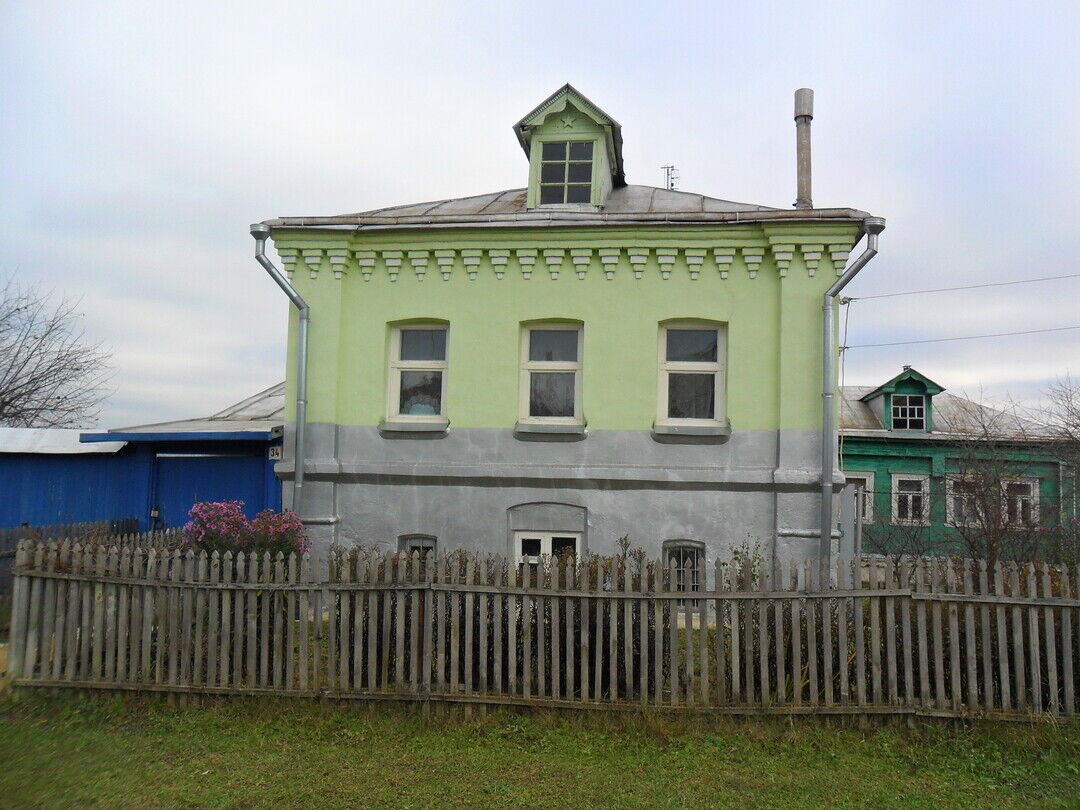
[{"x": 927, "y": 636}]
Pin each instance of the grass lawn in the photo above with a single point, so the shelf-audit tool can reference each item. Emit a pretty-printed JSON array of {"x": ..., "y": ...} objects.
[{"x": 126, "y": 752}]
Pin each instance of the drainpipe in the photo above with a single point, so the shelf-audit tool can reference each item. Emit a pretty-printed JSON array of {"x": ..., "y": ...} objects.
[
  {"x": 872, "y": 227},
  {"x": 260, "y": 232}
]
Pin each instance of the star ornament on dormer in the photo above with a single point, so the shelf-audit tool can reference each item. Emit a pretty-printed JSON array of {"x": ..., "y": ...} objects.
[{"x": 568, "y": 121}]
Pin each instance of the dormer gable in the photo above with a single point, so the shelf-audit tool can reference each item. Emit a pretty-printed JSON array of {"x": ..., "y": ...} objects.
[
  {"x": 905, "y": 403},
  {"x": 574, "y": 150}
]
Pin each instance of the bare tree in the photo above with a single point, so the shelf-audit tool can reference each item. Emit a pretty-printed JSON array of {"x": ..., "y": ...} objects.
[{"x": 50, "y": 374}]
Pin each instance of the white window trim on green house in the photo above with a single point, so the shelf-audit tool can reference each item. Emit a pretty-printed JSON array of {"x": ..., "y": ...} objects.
[
  {"x": 867, "y": 478},
  {"x": 397, "y": 365},
  {"x": 717, "y": 369},
  {"x": 897, "y": 495},
  {"x": 954, "y": 508},
  {"x": 526, "y": 420}
]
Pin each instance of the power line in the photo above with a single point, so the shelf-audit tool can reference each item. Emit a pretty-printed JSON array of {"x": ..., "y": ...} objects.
[
  {"x": 965, "y": 287},
  {"x": 966, "y": 337}
]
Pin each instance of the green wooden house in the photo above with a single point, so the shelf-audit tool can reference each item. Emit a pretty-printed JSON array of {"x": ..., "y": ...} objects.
[
  {"x": 552, "y": 367},
  {"x": 938, "y": 472}
]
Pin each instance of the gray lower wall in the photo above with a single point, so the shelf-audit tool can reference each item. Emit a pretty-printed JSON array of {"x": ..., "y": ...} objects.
[{"x": 468, "y": 487}]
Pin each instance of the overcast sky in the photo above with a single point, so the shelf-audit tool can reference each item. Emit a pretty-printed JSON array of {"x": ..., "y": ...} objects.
[{"x": 138, "y": 141}]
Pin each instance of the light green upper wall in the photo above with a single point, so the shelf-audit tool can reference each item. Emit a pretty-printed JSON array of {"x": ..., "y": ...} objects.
[{"x": 774, "y": 323}]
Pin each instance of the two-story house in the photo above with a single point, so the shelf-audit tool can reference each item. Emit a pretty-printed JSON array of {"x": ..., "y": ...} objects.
[{"x": 555, "y": 366}]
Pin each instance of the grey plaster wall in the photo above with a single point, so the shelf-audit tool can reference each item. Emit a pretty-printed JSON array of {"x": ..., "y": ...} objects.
[{"x": 758, "y": 487}]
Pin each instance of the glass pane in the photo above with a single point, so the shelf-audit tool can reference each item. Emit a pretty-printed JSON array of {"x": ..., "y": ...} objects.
[
  {"x": 551, "y": 194},
  {"x": 580, "y": 173},
  {"x": 555, "y": 150},
  {"x": 421, "y": 393},
  {"x": 552, "y": 172},
  {"x": 691, "y": 396},
  {"x": 909, "y": 485},
  {"x": 423, "y": 344},
  {"x": 581, "y": 150},
  {"x": 691, "y": 345},
  {"x": 563, "y": 545},
  {"x": 530, "y": 546},
  {"x": 551, "y": 394},
  {"x": 553, "y": 345},
  {"x": 578, "y": 194}
]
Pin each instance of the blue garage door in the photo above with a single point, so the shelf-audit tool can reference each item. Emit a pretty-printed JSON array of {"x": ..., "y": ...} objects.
[{"x": 184, "y": 478}]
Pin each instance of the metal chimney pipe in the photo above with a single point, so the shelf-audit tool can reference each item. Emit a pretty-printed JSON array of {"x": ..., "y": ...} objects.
[{"x": 804, "y": 114}]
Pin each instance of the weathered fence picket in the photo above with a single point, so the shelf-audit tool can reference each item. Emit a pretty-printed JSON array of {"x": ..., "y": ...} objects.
[{"x": 945, "y": 637}]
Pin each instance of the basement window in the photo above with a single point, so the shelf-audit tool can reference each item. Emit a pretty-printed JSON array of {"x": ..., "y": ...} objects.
[
  {"x": 534, "y": 545},
  {"x": 566, "y": 172},
  {"x": 908, "y": 412}
]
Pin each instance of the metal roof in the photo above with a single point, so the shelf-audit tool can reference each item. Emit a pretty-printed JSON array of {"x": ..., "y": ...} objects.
[
  {"x": 260, "y": 413},
  {"x": 953, "y": 417},
  {"x": 51, "y": 441},
  {"x": 626, "y": 205}
]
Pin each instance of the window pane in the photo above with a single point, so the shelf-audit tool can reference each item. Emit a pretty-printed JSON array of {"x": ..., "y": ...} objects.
[
  {"x": 581, "y": 150},
  {"x": 552, "y": 172},
  {"x": 551, "y": 194},
  {"x": 578, "y": 194},
  {"x": 421, "y": 393},
  {"x": 555, "y": 150},
  {"x": 691, "y": 345},
  {"x": 580, "y": 173},
  {"x": 423, "y": 344},
  {"x": 691, "y": 396},
  {"x": 551, "y": 394},
  {"x": 563, "y": 545},
  {"x": 909, "y": 485},
  {"x": 530, "y": 546},
  {"x": 553, "y": 345}
]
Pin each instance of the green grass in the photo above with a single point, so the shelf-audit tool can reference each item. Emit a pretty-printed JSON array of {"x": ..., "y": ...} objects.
[{"x": 119, "y": 752}]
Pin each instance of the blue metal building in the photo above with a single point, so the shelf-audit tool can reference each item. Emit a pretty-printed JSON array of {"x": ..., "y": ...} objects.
[{"x": 152, "y": 472}]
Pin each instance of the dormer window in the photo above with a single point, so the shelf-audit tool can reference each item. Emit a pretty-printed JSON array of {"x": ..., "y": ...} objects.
[
  {"x": 566, "y": 172},
  {"x": 908, "y": 412}
]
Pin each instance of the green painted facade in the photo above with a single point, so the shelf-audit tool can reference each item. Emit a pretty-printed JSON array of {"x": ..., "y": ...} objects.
[{"x": 773, "y": 327}]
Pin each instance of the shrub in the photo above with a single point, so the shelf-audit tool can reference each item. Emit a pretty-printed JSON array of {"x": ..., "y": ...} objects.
[{"x": 222, "y": 526}]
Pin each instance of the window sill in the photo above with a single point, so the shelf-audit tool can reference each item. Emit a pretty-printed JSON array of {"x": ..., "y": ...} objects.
[
  {"x": 549, "y": 431},
  {"x": 676, "y": 432},
  {"x": 427, "y": 429}
]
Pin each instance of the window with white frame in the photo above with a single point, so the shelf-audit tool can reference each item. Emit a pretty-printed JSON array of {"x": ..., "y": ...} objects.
[
  {"x": 911, "y": 499},
  {"x": 551, "y": 374},
  {"x": 864, "y": 490},
  {"x": 566, "y": 171},
  {"x": 908, "y": 412},
  {"x": 531, "y": 546},
  {"x": 423, "y": 544},
  {"x": 964, "y": 502},
  {"x": 691, "y": 386},
  {"x": 417, "y": 387},
  {"x": 1021, "y": 502}
]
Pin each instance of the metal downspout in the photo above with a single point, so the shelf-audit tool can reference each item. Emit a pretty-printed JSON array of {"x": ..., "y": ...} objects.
[
  {"x": 872, "y": 226},
  {"x": 260, "y": 233}
]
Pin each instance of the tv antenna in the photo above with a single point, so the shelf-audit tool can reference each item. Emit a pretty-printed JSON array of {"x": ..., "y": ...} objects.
[{"x": 671, "y": 177}]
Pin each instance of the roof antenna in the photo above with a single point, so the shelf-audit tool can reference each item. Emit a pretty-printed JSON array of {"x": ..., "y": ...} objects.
[{"x": 671, "y": 177}]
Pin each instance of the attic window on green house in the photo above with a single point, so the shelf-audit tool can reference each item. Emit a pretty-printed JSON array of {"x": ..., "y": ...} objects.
[
  {"x": 566, "y": 172},
  {"x": 908, "y": 412}
]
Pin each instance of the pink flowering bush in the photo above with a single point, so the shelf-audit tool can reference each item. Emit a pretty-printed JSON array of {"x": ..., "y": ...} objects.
[{"x": 223, "y": 526}]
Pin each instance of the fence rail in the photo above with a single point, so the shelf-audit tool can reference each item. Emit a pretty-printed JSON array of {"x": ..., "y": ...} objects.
[{"x": 928, "y": 636}]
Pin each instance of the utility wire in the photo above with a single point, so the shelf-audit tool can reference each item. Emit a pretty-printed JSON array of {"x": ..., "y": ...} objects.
[
  {"x": 965, "y": 287},
  {"x": 966, "y": 337}
]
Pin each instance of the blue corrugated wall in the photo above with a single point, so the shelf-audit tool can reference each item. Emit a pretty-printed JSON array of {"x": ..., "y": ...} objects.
[{"x": 44, "y": 488}]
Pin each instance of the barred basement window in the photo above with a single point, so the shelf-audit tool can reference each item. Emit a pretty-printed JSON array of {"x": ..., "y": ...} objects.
[
  {"x": 908, "y": 412},
  {"x": 686, "y": 560},
  {"x": 566, "y": 172},
  {"x": 424, "y": 544}
]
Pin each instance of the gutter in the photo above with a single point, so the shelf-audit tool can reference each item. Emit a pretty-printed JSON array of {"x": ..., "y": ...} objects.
[
  {"x": 872, "y": 226},
  {"x": 260, "y": 232}
]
